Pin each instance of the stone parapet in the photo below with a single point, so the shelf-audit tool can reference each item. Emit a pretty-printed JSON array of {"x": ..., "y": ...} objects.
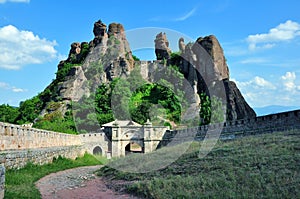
[
  {"x": 17, "y": 159},
  {"x": 16, "y": 137}
]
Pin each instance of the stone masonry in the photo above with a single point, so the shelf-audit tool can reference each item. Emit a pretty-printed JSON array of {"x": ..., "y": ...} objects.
[{"x": 2, "y": 180}]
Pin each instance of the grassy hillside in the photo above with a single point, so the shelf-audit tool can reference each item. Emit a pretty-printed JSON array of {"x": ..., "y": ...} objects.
[{"x": 264, "y": 166}]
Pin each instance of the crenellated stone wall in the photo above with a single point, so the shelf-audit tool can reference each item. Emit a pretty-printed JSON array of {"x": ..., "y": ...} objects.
[
  {"x": 16, "y": 159},
  {"x": 229, "y": 130},
  {"x": 16, "y": 137}
]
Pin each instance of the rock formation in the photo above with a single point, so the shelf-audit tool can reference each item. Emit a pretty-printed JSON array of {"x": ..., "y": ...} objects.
[
  {"x": 204, "y": 66},
  {"x": 237, "y": 107},
  {"x": 162, "y": 49},
  {"x": 214, "y": 49},
  {"x": 181, "y": 45},
  {"x": 109, "y": 56}
]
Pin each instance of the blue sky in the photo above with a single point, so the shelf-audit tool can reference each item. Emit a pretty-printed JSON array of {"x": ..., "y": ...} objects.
[{"x": 261, "y": 40}]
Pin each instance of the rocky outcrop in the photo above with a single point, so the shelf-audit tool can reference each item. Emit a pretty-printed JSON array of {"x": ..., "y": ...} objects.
[
  {"x": 74, "y": 87},
  {"x": 108, "y": 56},
  {"x": 204, "y": 66},
  {"x": 99, "y": 29},
  {"x": 237, "y": 107},
  {"x": 181, "y": 45},
  {"x": 90, "y": 64},
  {"x": 162, "y": 49},
  {"x": 214, "y": 49}
]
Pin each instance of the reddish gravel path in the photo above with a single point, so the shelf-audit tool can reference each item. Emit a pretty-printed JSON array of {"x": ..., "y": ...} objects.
[{"x": 77, "y": 183}]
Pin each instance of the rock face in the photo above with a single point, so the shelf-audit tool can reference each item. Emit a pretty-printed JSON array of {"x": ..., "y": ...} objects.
[
  {"x": 162, "y": 49},
  {"x": 236, "y": 104},
  {"x": 214, "y": 49},
  {"x": 108, "y": 56},
  {"x": 204, "y": 66},
  {"x": 99, "y": 29}
]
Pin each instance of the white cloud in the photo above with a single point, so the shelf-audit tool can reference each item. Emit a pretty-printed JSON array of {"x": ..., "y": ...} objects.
[
  {"x": 15, "y": 1},
  {"x": 282, "y": 90},
  {"x": 20, "y": 48},
  {"x": 283, "y": 32},
  {"x": 256, "y": 83},
  {"x": 14, "y": 89},
  {"x": 254, "y": 61},
  {"x": 289, "y": 81},
  {"x": 3, "y": 85},
  {"x": 187, "y": 15},
  {"x": 261, "y": 82}
]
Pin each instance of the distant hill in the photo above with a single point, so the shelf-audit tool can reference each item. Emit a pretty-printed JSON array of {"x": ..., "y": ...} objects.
[{"x": 273, "y": 109}]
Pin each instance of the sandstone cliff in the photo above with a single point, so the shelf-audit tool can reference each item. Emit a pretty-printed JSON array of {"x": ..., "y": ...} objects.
[{"x": 109, "y": 56}]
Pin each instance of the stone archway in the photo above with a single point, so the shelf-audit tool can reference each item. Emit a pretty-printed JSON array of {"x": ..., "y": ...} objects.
[
  {"x": 133, "y": 147},
  {"x": 97, "y": 150}
]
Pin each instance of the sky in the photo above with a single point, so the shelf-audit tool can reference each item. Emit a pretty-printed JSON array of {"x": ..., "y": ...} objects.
[{"x": 261, "y": 40}]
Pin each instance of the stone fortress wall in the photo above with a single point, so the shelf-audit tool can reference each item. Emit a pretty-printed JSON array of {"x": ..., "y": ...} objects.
[
  {"x": 19, "y": 145},
  {"x": 15, "y": 137},
  {"x": 284, "y": 121}
]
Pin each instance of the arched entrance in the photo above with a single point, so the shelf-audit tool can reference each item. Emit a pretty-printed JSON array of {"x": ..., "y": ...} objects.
[
  {"x": 97, "y": 150},
  {"x": 133, "y": 147}
]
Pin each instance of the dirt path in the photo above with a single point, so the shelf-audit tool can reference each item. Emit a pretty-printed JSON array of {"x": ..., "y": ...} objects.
[{"x": 76, "y": 184}]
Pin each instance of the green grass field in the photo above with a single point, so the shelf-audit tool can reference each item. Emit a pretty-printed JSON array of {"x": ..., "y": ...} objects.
[
  {"x": 261, "y": 166},
  {"x": 21, "y": 183}
]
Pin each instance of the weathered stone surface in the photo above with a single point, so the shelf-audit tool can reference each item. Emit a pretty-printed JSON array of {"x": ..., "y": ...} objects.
[
  {"x": 2, "y": 180},
  {"x": 162, "y": 49},
  {"x": 237, "y": 107},
  {"x": 115, "y": 29},
  {"x": 74, "y": 87},
  {"x": 181, "y": 45},
  {"x": 214, "y": 49},
  {"x": 204, "y": 66},
  {"x": 99, "y": 29},
  {"x": 109, "y": 56}
]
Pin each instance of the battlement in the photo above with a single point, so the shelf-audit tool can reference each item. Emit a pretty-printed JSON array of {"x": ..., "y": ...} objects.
[
  {"x": 284, "y": 121},
  {"x": 15, "y": 137}
]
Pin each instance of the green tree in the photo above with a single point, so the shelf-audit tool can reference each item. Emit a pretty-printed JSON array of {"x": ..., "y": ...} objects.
[
  {"x": 8, "y": 113},
  {"x": 217, "y": 110},
  {"x": 135, "y": 58},
  {"x": 205, "y": 109},
  {"x": 212, "y": 110},
  {"x": 29, "y": 110}
]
